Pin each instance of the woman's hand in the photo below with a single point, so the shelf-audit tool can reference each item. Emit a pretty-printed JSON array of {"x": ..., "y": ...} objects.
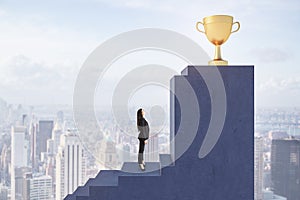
[{"x": 146, "y": 141}]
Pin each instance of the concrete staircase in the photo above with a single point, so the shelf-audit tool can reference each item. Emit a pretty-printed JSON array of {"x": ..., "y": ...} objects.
[
  {"x": 108, "y": 180},
  {"x": 226, "y": 172}
]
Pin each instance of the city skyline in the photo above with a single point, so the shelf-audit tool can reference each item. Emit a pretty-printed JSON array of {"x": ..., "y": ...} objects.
[{"x": 45, "y": 153}]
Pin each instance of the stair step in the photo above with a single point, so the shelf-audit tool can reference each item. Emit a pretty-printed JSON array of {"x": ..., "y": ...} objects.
[
  {"x": 70, "y": 197},
  {"x": 133, "y": 169},
  {"x": 81, "y": 190},
  {"x": 104, "y": 178},
  {"x": 107, "y": 178},
  {"x": 165, "y": 160},
  {"x": 110, "y": 178}
]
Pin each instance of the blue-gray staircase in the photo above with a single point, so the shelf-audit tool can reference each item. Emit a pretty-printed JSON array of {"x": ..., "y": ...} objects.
[
  {"x": 109, "y": 179},
  {"x": 225, "y": 173}
]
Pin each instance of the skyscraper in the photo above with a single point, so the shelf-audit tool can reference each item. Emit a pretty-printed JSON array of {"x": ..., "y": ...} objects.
[
  {"x": 17, "y": 183},
  {"x": 19, "y": 160},
  {"x": 33, "y": 156},
  {"x": 56, "y": 133},
  {"x": 285, "y": 168},
  {"x": 44, "y": 133},
  {"x": 5, "y": 161},
  {"x": 3, "y": 192},
  {"x": 70, "y": 165},
  {"x": 20, "y": 145},
  {"x": 258, "y": 168},
  {"x": 108, "y": 154}
]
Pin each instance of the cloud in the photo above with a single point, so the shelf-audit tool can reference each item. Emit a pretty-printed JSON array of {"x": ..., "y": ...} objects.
[
  {"x": 170, "y": 5},
  {"x": 39, "y": 36},
  {"x": 279, "y": 92},
  {"x": 196, "y": 6},
  {"x": 23, "y": 73},
  {"x": 270, "y": 55},
  {"x": 2, "y": 12},
  {"x": 279, "y": 85},
  {"x": 38, "y": 82},
  {"x": 39, "y": 58}
]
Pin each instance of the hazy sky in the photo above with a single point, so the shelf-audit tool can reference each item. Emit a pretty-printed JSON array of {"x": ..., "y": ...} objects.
[{"x": 44, "y": 43}]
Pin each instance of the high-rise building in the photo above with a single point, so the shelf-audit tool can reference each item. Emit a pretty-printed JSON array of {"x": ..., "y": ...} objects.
[
  {"x": 19, "y": 144},
  {"x": 4, "y": 163},
  {"x": 44, "y": 133},
  {"x": 70, "y": 165},
  {"x": 126, "y": 153},
  {"x": 108, "y": 154},
  {"x": 19, "y": 159},
  {"x": 50, "y": 147},
  {"x": 60, "y": 117},
  {"x": 258, "y": 168},
  {"x": 56, "y": 133},
  {"x": 50, "y": 171},
  {"x": 17, "y": 182},
  {"x": 26, "y": 185},
  {"x": 33, "y": 156},
  {"x": 3, "y": 192},
  {"x": 275, "y": 135},
  {"x": 285, "y": 168},
  {"x": 37, "y": 187}
]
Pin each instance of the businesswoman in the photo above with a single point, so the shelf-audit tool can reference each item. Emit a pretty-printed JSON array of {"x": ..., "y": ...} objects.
[{"x": 143, "y": 129}]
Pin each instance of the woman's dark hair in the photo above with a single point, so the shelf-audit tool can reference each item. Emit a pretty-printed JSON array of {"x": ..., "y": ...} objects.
[{"x": 139, "y": 117}]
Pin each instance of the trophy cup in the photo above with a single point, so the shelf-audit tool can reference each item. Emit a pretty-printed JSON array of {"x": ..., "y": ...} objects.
[{"x": 217, "y": 30}]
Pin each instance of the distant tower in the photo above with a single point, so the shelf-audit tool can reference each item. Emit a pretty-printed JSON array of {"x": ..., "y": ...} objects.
[
  {"x": 56, "y": 133},
  {"x": 44, "y": 133},
  {"x": 258, "y": 168},
  {"x": 108, "y": 154},
  {"x": 60, "y": 117},
  {"x": 70, "y": 165},
  {"x": 126, "y": 153},
  {"x": 4, "y": 163},
  {"x": 285, "y": 168},
  {"x": 33, "y": 156}
]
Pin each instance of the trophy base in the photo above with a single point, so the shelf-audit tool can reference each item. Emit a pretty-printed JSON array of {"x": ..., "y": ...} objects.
[{"x": 218, "y": 62}]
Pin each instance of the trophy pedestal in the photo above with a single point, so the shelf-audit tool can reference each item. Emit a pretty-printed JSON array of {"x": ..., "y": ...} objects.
[{"x": 218, "y": 62}]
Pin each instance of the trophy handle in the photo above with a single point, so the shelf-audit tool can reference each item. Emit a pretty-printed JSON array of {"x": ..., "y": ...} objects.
[
  {"x": 238, "y": 27},
  {"x": 197, "y": 27}
]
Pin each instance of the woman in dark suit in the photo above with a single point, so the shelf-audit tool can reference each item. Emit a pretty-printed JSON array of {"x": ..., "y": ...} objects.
[{"x": 143, "y": 129}]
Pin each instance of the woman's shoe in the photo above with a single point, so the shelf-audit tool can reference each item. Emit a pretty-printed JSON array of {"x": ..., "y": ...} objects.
[
  {"x": 142, "y": 167},
  {"x": 143, "y": 162}
]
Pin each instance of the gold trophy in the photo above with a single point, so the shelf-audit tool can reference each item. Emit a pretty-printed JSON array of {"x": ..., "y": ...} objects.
[{"x": 217, "y": 30}]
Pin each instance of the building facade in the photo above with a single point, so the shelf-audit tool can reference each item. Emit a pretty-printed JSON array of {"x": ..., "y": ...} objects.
[
  {"x": 19, "y": 160},
  {"x": 258, "y": 168},
  {"x": 37, "y": 187},
  {"x": 44, "y": 133},
  {"x": 70, "y": 165},
  {"x": 285, "y": 168}
]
